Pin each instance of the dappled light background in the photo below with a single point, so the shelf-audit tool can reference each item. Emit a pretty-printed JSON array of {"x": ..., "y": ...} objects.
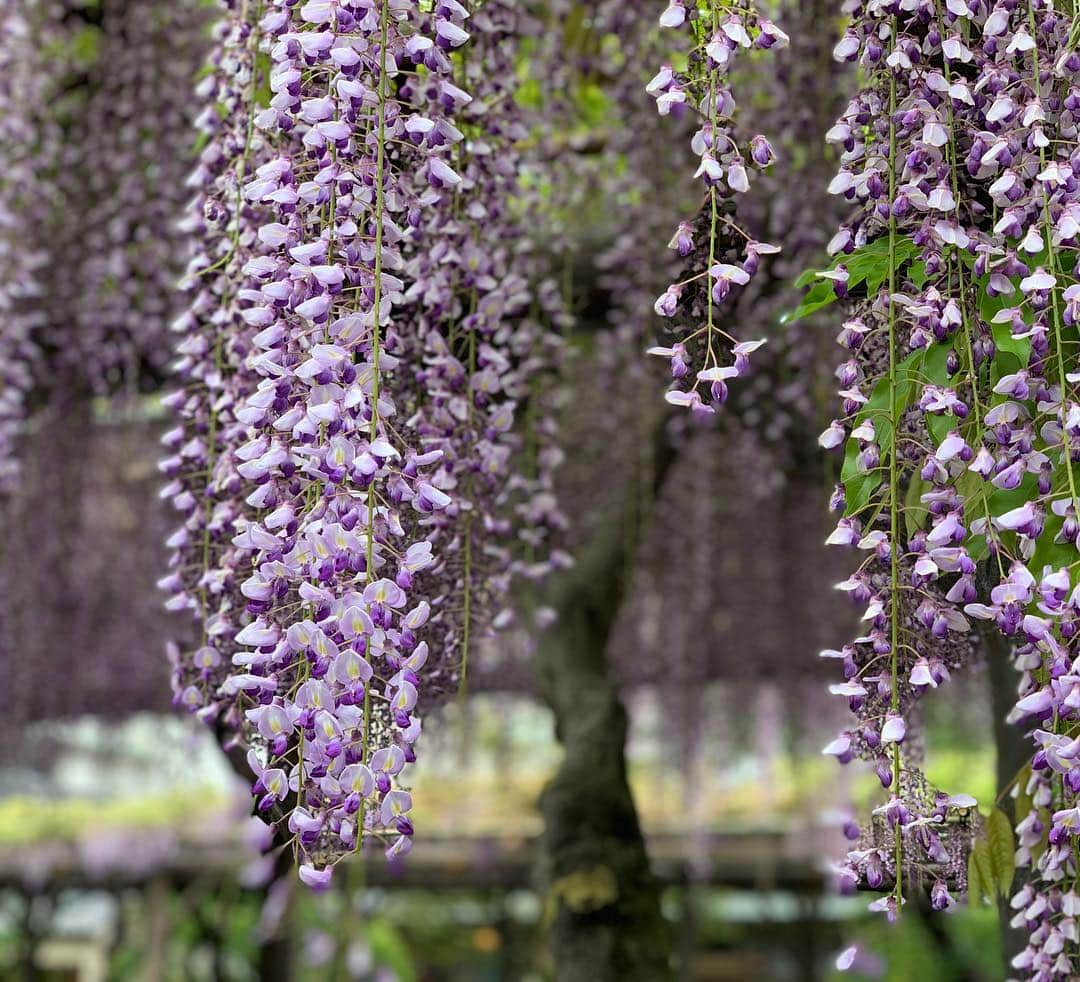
[{"x": 618, "y": 730}]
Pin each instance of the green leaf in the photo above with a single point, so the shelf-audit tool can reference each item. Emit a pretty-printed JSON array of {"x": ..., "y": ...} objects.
[
  {"x": 933, "y": 370},
  {"x": 934, "y": 364},
  {"x": 86, "y": 45},
  {"x": 877, "y": 410},
  {"x": 1001, "y": 850},
  {"x": 911, "y": 374},
  {"x": 575, "y": 28},
  {"x": 1051, "y": 553},
  {"x": 1023, "y": 801},
  {"x": 1004, "y": 341},
  {"x": 992, "y": 862},
  {"x": 867, "y": 266},
  {"x": 859, "y": 491},
  {"x": 821, "y": 295},
  {"x": 990, "y": 306},
  {"x": 980, "y": 889},
  {"x": 870, "y": 264},
  {"x": 1004, "y": 363},
  {"x": 972, "y": 491},
  {"x": 980, "y": 498},
  {"x": 915, "y": 512},
  {"x": 263, "y": 93},
  {"x": 940, "y": 426},
  {"x": 1001, "y": 500}
]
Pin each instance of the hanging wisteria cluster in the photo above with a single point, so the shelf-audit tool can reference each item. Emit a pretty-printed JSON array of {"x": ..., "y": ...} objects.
[
  {"x": 97, "y": 140},
  {"x": 960, "y": 421},
  {"x": 27, "y": 146},
  {"x": 127, "y": 151},
  {"x": 719, "y": 255},
  {"x": 88, "y": 203},
  {"x": 361, "y": 339},
  {"x": 479, "y": 309},
  {"x": 648, "y": 177},
  {"x": 364, "y": 446},
  {"x": 786, "y": 399}
]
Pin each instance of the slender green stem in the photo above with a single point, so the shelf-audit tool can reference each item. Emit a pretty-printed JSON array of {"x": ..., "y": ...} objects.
[
  {"x": 380, "y": 176},
  {"x": 965, "y": 318},
  {"x": 710, "y": 358},
  {"x": 1056, "y": 271},
  {"x": 894, "y": 491}
]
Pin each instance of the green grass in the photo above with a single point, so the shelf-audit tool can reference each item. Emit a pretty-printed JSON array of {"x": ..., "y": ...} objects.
[{"x": 25, "y": 819}]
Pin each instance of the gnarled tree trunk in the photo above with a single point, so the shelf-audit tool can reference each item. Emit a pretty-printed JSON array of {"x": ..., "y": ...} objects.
[{"x": 603, "y": 902}]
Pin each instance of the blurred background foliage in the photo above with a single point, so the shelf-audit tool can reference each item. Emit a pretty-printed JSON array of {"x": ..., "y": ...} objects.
[
  {"x": 125, "y": 847},
  {"x": 124, "y": 836}
]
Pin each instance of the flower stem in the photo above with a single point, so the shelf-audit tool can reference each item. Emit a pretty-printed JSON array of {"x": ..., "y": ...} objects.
[
  {"x": 380, "y": 173},
  {"x": 894, "y": 475}
]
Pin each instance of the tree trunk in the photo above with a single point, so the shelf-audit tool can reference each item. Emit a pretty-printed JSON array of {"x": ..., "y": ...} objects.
[
  {"x": 156, "y": 953},
  {"x": 276, "y": 952},
  {"x": 603, "y": 902},
  {"x": 1013, "y": 753},
  {"x": 27, "y": 942}
]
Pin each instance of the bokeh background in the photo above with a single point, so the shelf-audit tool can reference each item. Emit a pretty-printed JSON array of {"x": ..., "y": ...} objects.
[{"x": 127, "y": 848}]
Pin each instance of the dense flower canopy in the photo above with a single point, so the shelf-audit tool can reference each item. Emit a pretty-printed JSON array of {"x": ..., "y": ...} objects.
[
  {"x": 958, "y": 402},
  {"x": 371, "y": 205},
  {"x": 24, "y": 91},
  {"x": 351, "y": 464}
]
